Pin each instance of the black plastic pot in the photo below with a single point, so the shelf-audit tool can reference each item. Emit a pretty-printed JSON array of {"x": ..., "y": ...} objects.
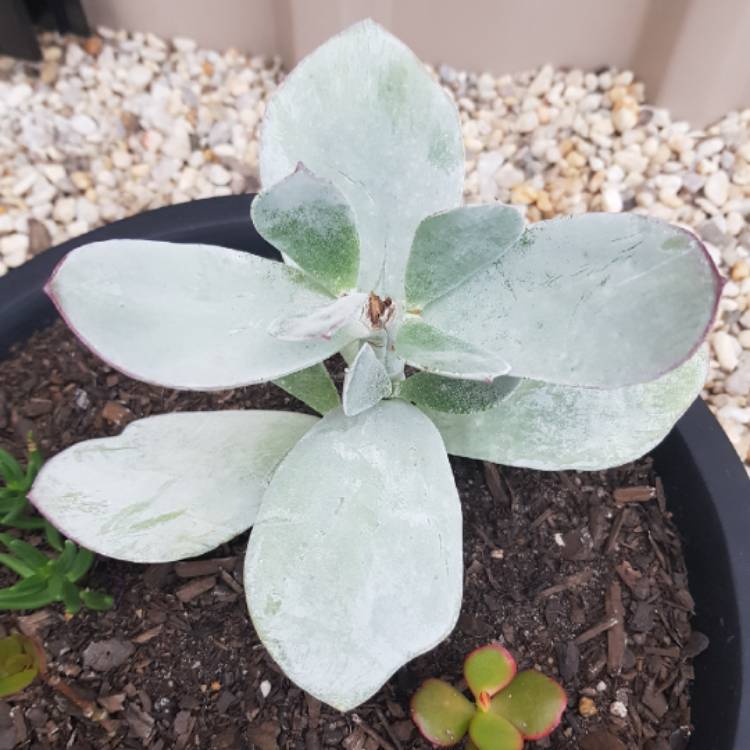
[{"x": 705, "y": 482}]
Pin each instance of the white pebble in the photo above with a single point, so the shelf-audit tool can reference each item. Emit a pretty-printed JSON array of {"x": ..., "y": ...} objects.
[
  {"x": 619, "y": 709},
  {"x": 139, "y": 76},
  {"x": 218, "y": 174},
  {"x": 83, "y": 124},
  {"x": 611, "y": 199},
  {"x": 727, "y": 350},
  {"x": 64, "y": 210},
  {"x": 265, "y": 688},
  {"x": 716, "y": 188},
  {"x": 13, "y": 246}
]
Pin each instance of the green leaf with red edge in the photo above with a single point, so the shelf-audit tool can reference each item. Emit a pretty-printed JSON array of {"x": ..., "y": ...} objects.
[
  {"x": 490, "y": 731},
  {"x": 488, "y": 669},
  {"x": 533, "y": 703},
  {"x": 441, "y": 713}
]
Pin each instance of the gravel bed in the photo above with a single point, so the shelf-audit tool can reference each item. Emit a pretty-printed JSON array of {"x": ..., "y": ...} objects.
[{"x": 120, "y": 123}]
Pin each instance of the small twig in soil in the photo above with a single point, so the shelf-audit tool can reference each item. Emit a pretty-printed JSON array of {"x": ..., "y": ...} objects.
[
  {"x": 230, "y": 581},
  {"x": 495, "y": 484},
  {"x": 640, "y": 494},
  {"x": 571, "y": 486},
  {"x": 367, "y": 729},
  {"x": 615, "y": 532},
  {"x": 661, "y": 497},
  {"x": 387, "y": 727},
  {"x": 616, "y": 634},
  {"x": 596, "y": 630},
  {"x": 540, "y": 519},
  {"x": 577, "y": 579}
]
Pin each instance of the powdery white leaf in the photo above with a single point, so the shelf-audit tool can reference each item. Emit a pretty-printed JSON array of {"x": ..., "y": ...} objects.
[
  {"x": 600, "y": 300},
  {"x": 453, "y": 395},
  {"x": 323, "y": 322},
  {"x": 552, "y": 427},
  {"x": 450, "y": 247},
  {"x": 170, "y": 486},
  {"x": 310, "y": 221},
  {"x": 362, "y": 112},
  {"x": 430, "y": 349},
  {"x": 366, "y": 382},
  {"x": 354, "y": 565},
  {"x": 313, "y": 386},
  {"x": 186, "y": 316}
]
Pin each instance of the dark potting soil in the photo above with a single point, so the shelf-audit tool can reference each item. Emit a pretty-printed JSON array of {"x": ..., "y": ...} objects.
[{"x": 580, "y": 575}]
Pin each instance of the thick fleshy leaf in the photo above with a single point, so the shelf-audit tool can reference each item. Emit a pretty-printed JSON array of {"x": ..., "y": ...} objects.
[
  {"x": 354, "y": 565},
  {"x": 441, "y": 713},
  {"x": 170, "y": 486},
  {"x": 488, "y": 731},
  {"x": 602, "y": 300},
  {"x": 186, "y": 316},
  {"x": 343, "y": 314},
  {"x": 455, "y": 396},
  {"x": 533, "y": 703},
  {"x": 450, "y": 247},
  {"x": 366, "y": 382},
  {"x": 313, "y": 386},
  {"x": 362, "y": 112},
  {"x": 310, "y": 221},
  {"x": 430, "y": 349},
  {"x": 488, "y": 669},
  {"x": 544, "y": 426}
]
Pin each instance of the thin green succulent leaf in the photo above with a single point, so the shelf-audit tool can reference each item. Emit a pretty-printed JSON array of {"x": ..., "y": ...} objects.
[
  {"x": 187, "y": 316},
  {"x": 81, "y": 565},
  {"x": 166, "y": 510},
  {"x": 366, "y": 382},
  {"x": 553, "y": 427},
  {"x": 533, "y": 703},
  {"x": 55, "y": 586},
  {"x": 53, "y": 537},
  {"x": 312, "y": 223},
  {"x": 96, "y": 600},
  {"x": 343, "y": 314},
  {"x": 25, "y": 599},
  {"x": 598, "y": 300},
  {"x": 14, "y": 683},
  {"x": 28, "y": 554},
  {"x": 450, "y": 247},
  {"x": 441, "y": 713},
  {"x": 488, "y": 669},
  {"x": 33, "y": 584},
  {"x": 313, "y": 386},
  {"x": 488, "y": 731},
  {"x": 359, "y": 111},
  {"x": 10, "y": 470},
  {"x": 377, "y": 492},
  {"x": 438, "y": 392},
  {"x": 17, "y": 566},
  {"x": 64, "y": 563},
  {"x": 19, "y": 520},
  {"x": 71, "y": 597},
  {"x": 435, "y": 351}
]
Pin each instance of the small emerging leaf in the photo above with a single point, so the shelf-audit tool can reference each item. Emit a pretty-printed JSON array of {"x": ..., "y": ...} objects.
[
  {"x": 310, "y": 221},
  {"x": 435, "y": 351},
  {"x": 366, "y": 382},
  {"x": 312, "y": 386},
  {"x": 452, "y": 246},
  {"x": 441, "y": 713},
  {"x": 322, "y": 322},
  {"x": 19, "y": 664},
  {"x": 488, "y": 731},
  {"x": 489, "y": 669},
  {"x": 533, "y": 703},
  {"x": 454, "y": 396}
]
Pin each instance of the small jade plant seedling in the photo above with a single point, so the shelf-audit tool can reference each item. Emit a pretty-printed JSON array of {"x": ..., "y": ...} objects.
[
  {"x": 20, "y": 663},
  {"x": 574, "y": 343},
  {"x": 44, "y": 578},
  {"x": 509, "y": 707}
]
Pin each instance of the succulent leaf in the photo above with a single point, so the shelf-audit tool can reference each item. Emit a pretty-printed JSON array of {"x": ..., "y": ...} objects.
[
  {"x": 450, "y": 247},
  {"x": 19, "y": 664},
  {"x": 151, "y": 493},
  {"x": 323, "y": 322},
  {"x": 357, "y": 111},
  {"x": 186, "y": 316},
  {"x": 444, "y": 394},
  {"x": 488, "y": 669},
  {"x": 552, "y": 427},
  {"x": 597, "y": 300},
  {"x": 313, "y": 386},
  {"x": 310, "y": 221},
  {"x": 366, "y": 382},
  {"x": 489, "y": 731},
  {"x": 533, "y": 703},
  {"x": 441, "y": 713},
  {"x": 435, "y": 351},
  {"x": 354, "y": 564}
]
